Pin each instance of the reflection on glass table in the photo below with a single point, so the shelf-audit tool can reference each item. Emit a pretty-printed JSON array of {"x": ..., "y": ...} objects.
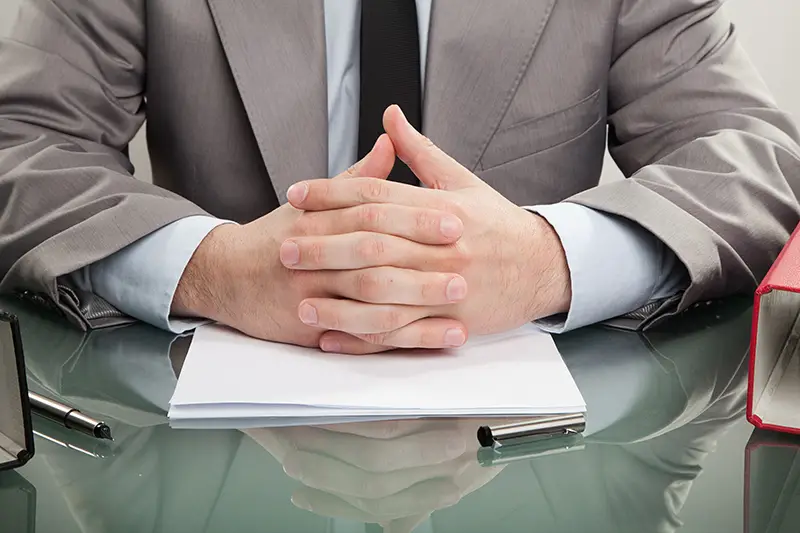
[
  {"x": 772, "y": 483},
  {"x": 17, "y": 504},
  {"x": 657, "y": 405}
]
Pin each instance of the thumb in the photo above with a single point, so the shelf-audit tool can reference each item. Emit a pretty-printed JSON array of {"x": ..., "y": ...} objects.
[
  {"x": 377, "y": 163},
  {"x": 433, "y": 167}
]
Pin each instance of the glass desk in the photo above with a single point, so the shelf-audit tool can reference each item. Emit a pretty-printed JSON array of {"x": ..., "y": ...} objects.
[{"x": 666, "y": 448}]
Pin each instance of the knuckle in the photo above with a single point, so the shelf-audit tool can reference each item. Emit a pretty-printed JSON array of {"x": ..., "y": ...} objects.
[
  {"x": 429, "y": 291},
  {"x": 329, "y": 317},
  {"x": 370, "y": 216},
  {"x": 381, "y": 507},
  {"x": 352, "y": 171},
  {"x": 373, "y": 191},
  {"x": 430, "y": 338},
  {"x": 370, "y": 249},
  {"x": 331, "y": 320},
  {"x": 368, "y": 285},
  {"x": 319, "y": 189},
  {"x": 425, "y": 222},
  {"x": 389, "y": 320},
  {"x": 427, "y": 152},
  {"x": 455, "y": 206},
  {"x": 450, "y": 206},
  {"x": 389, "y": 429},
  {"x": 378, "y": 339},
  {"x": 314, "y": 254},
  {"x": 367, "y": 488}
]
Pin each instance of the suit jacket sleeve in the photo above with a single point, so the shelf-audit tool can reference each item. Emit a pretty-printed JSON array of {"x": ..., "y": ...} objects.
[
  {"x": 713, "y": 165},
  {"x": 71, "y": 99}
]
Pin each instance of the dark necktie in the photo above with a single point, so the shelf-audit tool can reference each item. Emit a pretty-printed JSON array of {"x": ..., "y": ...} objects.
[{"x": 390, "y": 72}]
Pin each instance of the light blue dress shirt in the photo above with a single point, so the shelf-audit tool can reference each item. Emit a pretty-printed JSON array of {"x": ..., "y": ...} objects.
[{"x": 615, "y": 265}]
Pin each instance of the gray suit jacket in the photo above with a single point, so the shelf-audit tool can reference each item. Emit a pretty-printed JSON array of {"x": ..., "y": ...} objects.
[{"x": 519, "y": 91}]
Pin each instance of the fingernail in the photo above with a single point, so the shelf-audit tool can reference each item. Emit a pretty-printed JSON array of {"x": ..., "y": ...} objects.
[
  {"x": 454, "y": 337},
  {"x": 308, "y": 315},
  {"x": 290, "y": 253},
  {"x": 456, "y": 289},
  {"x": 450, "y": 227},
  {"x": 332, "y": 346},
  {"x": 300, "y": 502},
  {"x": 297, "y": 193}
]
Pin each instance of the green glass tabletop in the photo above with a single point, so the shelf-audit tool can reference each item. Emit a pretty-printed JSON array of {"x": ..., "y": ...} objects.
[{"x": 666, "y": 448}]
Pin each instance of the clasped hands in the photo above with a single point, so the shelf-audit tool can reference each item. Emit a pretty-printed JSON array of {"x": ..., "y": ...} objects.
[{"x": 358, "y": 264}]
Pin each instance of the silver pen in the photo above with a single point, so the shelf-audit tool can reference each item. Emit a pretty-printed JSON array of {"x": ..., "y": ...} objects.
[
  {"x": 501, "y": 455},
  {"x": 69, "y": 417},
  {"x": 532, "y": 430}
]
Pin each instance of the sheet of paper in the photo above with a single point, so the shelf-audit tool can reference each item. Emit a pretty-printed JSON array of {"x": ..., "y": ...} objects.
[{"x": 231, "y": 380}]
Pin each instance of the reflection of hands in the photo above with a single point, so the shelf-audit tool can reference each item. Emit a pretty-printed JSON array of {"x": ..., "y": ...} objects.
[{"x": 393, "y": 473}]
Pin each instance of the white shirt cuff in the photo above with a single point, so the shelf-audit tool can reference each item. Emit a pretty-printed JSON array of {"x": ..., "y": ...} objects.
[
  {"x": 140, "y": 280},
  {"x": 615, "y": 265}
]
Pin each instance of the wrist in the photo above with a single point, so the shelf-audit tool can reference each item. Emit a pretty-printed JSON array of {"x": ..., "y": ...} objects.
[
  {"x": 551, "y": 293},
  {"x": 201, "y": 288}
]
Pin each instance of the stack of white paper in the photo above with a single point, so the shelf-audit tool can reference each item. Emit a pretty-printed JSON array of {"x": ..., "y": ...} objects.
[{"x": 230, "y": 380}]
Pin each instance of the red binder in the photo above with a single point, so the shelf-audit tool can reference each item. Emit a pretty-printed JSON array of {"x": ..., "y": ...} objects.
[{"x": 773, "y": 399}]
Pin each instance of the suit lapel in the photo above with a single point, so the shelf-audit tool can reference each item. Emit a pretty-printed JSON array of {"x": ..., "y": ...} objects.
[
  {"x": 478, "y": 52},
  {"x": 276, "y": 51}
]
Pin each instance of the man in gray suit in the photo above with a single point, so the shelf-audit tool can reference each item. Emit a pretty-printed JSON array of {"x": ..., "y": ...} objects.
[{"x": 250, "y": 102}]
